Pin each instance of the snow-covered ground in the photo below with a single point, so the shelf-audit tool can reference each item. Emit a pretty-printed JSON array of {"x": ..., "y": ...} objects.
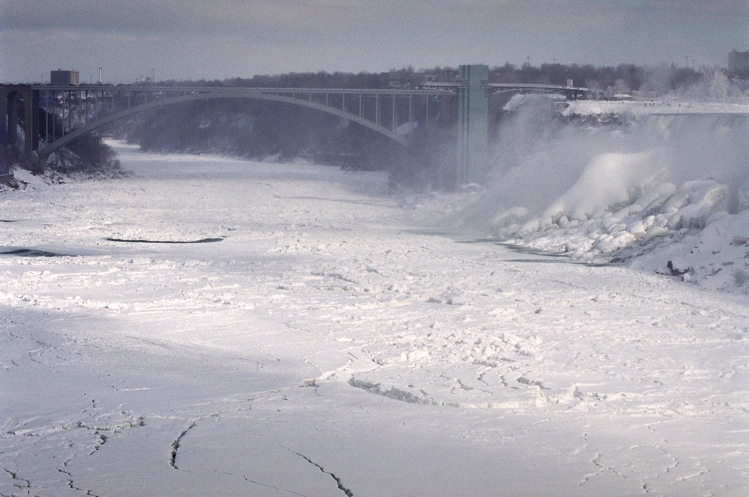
[{"x": 327, "y": 339}]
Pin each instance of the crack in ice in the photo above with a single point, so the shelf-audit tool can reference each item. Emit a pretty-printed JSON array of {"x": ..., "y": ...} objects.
[
  {"x": 345, "y": 490},
  {"x": 177, "y": 442},
  {"x": 23, "y": 483}
]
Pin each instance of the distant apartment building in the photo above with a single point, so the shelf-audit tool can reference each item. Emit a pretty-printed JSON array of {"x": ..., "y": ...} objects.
[
  {"x": 738, "y": 61},
  {"x": 63, "y": 78}
]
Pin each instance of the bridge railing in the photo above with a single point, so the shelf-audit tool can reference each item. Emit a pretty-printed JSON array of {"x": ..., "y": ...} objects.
[{"x": 571, "y": 92}]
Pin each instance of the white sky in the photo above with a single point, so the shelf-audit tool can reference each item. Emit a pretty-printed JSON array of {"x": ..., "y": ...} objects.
[{"x": 229, "y": 38}]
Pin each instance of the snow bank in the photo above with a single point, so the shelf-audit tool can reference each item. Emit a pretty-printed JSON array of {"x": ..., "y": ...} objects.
[
  {"x": 28, "y": 180},
  {"x": 608, "y": 180},
  {"x": 606, "y": 225},
  {"x": 716, "y": 257},
  {"x": 657, "y": 190},
  {"x": 651, "y": 107}
]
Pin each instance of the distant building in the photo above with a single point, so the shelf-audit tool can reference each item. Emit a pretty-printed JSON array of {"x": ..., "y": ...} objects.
[
  {"x": 62, "y": 78},
  {"x": 738, "y": 61}
]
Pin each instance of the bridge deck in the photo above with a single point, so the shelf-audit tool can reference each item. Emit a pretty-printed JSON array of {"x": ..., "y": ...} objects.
[{"x": 237, "y": 89}]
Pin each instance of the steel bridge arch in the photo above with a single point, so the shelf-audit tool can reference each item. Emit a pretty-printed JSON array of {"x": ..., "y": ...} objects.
[{"x": 216, "y": 95}]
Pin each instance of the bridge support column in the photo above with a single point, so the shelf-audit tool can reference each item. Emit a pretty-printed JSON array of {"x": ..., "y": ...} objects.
[
  {"x": 473, "y": 125},
  {"x": 13, "y": 100},
  {"x": 31, "y": 125}
]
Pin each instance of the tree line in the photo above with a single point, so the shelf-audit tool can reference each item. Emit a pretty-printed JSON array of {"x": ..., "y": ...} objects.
[{"x": 624, "y": 78}]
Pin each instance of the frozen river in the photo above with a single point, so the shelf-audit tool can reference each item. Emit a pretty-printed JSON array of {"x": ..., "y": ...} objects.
[{"x": 328, "y": 339}]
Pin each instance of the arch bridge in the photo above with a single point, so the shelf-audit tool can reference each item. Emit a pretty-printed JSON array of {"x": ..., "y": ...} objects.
[{"x": 51, "y": 117}]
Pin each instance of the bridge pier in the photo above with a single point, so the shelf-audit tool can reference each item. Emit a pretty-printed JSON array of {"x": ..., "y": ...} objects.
[
  {"x": 473, "y": 125},
  {"x": 19, "y": 104}
]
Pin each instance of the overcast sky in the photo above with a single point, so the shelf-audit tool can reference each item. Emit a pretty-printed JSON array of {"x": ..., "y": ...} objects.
[{"x": 212, "y": 39}]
